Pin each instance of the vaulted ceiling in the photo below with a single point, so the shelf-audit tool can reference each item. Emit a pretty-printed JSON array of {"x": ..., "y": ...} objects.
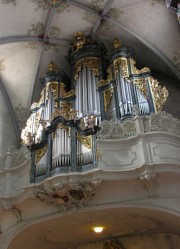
[{"x": 34, "y": 32}]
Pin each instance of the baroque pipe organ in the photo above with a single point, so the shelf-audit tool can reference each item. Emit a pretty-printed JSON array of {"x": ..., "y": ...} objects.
[{"x": 61, "y": 130}]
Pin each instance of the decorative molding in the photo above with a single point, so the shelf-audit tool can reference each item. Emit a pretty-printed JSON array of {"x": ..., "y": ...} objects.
[
  {"x": 148, "y": 179},
  {"x": 71, "y": 196},
  {"x": 159, "y": 94},
  {"x": 115, "y": 129},
  {"x": 160, "y": 122},
  {"x": 9, "y": 1},
  {"x": 59, "y": 5}
]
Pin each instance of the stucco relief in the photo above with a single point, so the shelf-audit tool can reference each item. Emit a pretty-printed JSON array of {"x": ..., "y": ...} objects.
[
  {"x": 46, "y": 4},
  {"x": 38, "y": 30},
  {"x": 70, "y": 196},
  {"x": 98, "y": 6},
  {"x": 9, "y": 1},
  {"x": 149, "y": 180}
]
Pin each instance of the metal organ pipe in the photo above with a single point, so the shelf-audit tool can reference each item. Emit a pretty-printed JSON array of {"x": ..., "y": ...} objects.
[
  {"x": 61, "y": 149},
  {"x": 87, "y": 96}
]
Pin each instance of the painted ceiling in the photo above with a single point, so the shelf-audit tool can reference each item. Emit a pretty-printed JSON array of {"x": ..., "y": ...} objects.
[{"x": 34, "y": 32}]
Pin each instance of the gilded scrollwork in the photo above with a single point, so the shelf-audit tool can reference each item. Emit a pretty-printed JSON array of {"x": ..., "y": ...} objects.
[
  {"x": 134, "y": 70},
  {"x": 61, "y": 126},
  {"x": 90, "y": 62},
  {"x": 116, "y": 43},
  {"x": 40, "y": 153},
  {"x": 40, "y": 102},
  {"x": 79, "y": 40},
  {"x": 52, "y": 67},
  {"x": 65, "y": 94},
  {"x": 107, "y": 98},
  {"x": 141, "y": 85},
  {"x": 52, "y": 87},
  {"x": 32, "y": 133},
  {"x": 86, "y": 141},
  {"x": 65, "y": 108},
  {"x": 159, "y": 94},
  {"x": 109, "y": 74},
  {"x": 122, "y": 64},
  {"x": 101, "y": 83}
]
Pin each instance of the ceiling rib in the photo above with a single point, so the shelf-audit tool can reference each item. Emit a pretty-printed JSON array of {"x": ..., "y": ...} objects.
[
  {"x": 98, "y": 22},
  {"x": 45, "y": 36},
  {"x": 29, "y": 38},
  {"x": 11, "y": 110},
  {"x": 117, "y": 23}
]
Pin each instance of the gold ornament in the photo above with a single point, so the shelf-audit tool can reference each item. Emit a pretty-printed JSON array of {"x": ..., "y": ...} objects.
[
  {"x": 134, "y": 70},
  {"x": 52, "y": 67},
  {"x": 122, "y": 64},
  {"x": 79, "y": 40},
  {"x": 86, "y": 141},
  {"x": 141, "y": 85},
  {"x": 116, "y": 43},
  {"x": 107, "y": 98},
  {"x": 159, "y": 94},
  {"x": 40, "y": 153},
  {"x": 89, "y": 62}
]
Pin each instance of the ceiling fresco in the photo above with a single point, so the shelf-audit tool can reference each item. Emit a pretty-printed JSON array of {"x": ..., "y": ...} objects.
[{"x": 35, "y": 32}]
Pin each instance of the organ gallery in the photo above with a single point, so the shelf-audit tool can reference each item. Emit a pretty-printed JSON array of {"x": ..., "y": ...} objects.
[{"x": 103, "y": 85}]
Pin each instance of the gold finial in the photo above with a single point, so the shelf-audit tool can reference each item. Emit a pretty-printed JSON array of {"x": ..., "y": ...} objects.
[
  {"x": 52, "y": 67},
  {"x": 79, "y": 40},
  {"x": 116, "y": 43},
  {"x": 54, "y": 1}
]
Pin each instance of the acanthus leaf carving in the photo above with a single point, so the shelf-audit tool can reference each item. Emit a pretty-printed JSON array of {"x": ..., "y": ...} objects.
[{"x": 148, "y": 179}]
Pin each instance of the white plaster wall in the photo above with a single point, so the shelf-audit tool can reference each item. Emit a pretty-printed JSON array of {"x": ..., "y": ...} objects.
[{"x": 6, "y": 128}]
